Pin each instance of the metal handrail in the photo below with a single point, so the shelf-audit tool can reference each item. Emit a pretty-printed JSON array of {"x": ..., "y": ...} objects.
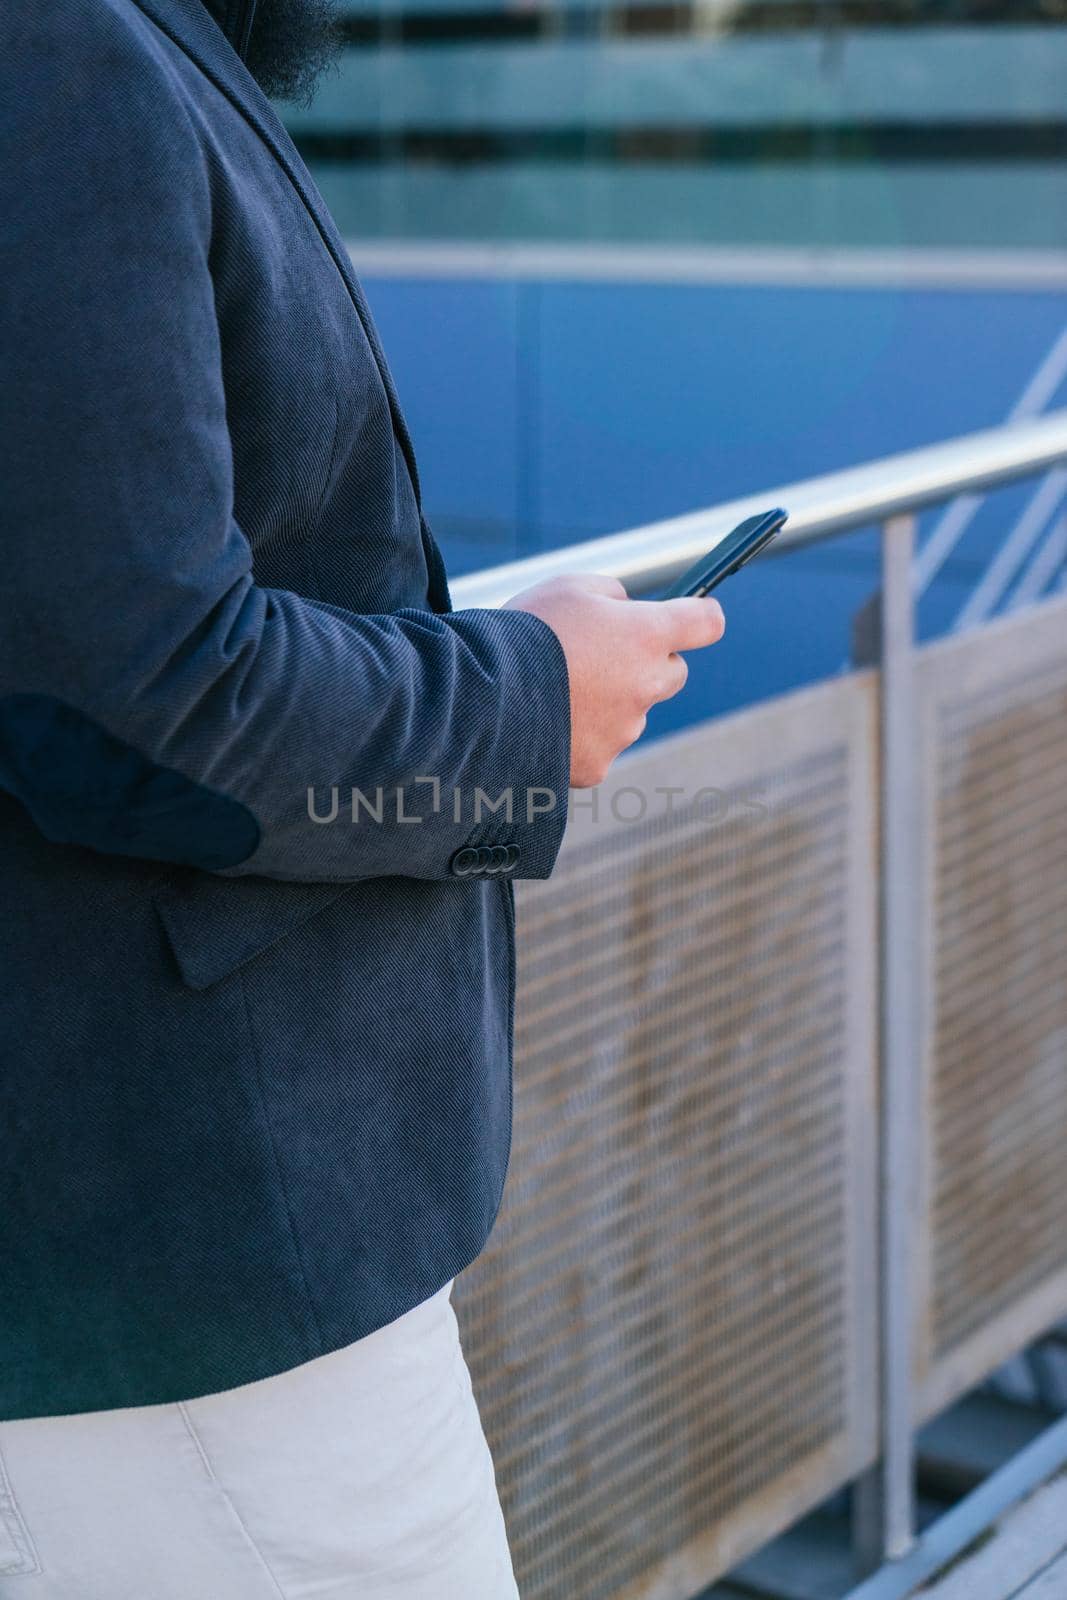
[
  {"x": 857, "y": 497},
  {"x": 888, "y": 492}
]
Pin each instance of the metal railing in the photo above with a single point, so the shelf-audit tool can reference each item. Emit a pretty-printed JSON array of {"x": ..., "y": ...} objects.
[
  {"x": 819, "y": 507},
  {"x": 890, "y": 492}
]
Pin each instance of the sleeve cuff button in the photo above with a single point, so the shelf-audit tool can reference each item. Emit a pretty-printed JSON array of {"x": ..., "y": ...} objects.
[{"x": 464, "y": 862}]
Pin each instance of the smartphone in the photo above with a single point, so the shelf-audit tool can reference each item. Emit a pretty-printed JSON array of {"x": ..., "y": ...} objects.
[{"x": 739, "y": 546}]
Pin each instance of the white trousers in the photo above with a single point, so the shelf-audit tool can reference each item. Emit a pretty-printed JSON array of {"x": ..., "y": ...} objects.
[{"x": 361, "y": 1475}]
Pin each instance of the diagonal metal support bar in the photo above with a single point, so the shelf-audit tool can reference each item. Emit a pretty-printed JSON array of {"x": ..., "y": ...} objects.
[
  {"x": 959, "y": 515},
  {"x": 1011, "y": 556},
  {"x": 1042, "y": 568}
]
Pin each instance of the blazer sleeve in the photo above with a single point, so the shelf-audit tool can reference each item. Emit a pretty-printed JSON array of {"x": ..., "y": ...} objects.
[{"x": 155, "y": 701}]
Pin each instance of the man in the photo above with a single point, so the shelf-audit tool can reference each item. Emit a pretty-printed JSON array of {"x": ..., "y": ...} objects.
[{"x": 256, "y": 941}]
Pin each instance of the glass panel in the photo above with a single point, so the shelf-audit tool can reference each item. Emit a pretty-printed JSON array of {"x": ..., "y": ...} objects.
[{"x": 805, "y": 123}]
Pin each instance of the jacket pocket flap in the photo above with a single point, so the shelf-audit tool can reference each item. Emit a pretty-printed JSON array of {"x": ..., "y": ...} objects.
[{"x": 215, "y": 925}]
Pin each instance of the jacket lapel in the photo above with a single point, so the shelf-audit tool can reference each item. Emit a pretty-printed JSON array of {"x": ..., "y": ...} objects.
[{"x": 192, "y": 29}]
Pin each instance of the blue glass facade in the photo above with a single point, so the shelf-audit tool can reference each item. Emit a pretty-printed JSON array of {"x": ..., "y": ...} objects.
[
  {"x": 631, "y": 259},
  {"x": 923, "y": 123}
]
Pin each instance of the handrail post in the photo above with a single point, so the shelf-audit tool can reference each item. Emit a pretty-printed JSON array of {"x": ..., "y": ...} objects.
[{"x": 884, "y": 1499}]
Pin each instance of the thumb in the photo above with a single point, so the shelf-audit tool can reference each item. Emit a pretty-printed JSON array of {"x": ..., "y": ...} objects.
[{"x": 692, "y": 621}]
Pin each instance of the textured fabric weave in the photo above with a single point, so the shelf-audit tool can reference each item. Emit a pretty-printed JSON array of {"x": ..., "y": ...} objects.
[{"x": 254, "y": 1063}]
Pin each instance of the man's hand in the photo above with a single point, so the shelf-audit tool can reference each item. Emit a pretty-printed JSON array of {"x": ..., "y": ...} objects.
[{"x": 622, "y": 657}]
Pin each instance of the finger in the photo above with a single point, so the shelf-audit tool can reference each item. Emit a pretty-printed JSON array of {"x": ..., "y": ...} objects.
[
  {"x": 635, "y": 732},
  {"x": 692, "y": 622},
  {"x": 674, "y": 678}
]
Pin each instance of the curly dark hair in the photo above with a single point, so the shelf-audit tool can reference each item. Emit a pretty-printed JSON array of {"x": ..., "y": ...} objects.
[{"x": 291, "y": 45}]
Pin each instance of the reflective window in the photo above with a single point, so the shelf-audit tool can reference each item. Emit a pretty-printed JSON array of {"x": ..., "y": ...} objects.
[{"x": 813, "y": 123}]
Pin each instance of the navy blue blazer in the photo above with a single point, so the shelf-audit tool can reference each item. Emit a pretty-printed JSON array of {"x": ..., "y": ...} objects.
[{"x": 262, "y": 792}]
